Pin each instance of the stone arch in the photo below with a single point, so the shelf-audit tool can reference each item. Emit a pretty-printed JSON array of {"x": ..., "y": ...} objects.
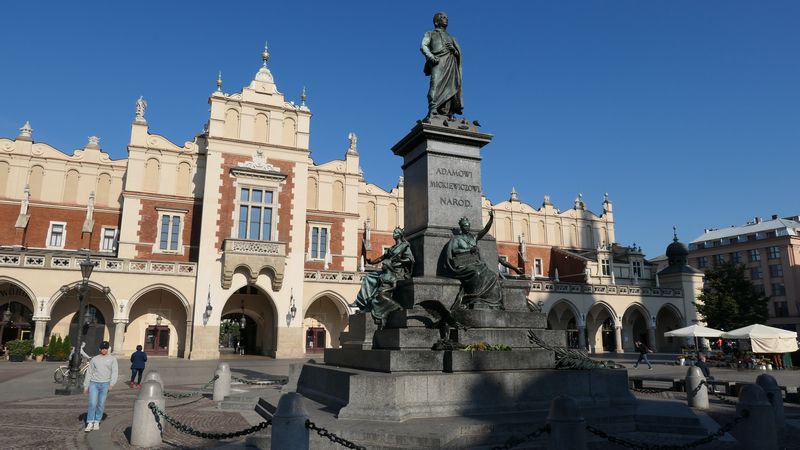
[
  {"x": 564, "y": 315},
  {"x": 261, "y": 129},
  {"x": 588, "y": 237},
  {"x": 668, "y": 318},
  {"x": 324, "y": 319},
  {"x": 35, "y": 177},
  {"x": 635, "y": 325},
  {"x": 289, "y": 132},
  {"x": 558, "y": 309},
  {"x": 62, "y": 313},
  {"x": 573, "y": 236},
  {"x": 141, "y": 292},
  {"x": 338, "y": 196},
  {"x": 71, "y": 186},
  {"x": 231, "y": 124},
  {"x": 559, "y": 237},
  {"x": 16, "y": 298},
  {"x": 23, "y": 287},
  {"x": 313, "y": 193},
  {"x": 370, "y": 213},
  {"x": 152, "y": 174},
  {"x": 93, "y": 285},
  {"x": 541, "y": 237},
  {"x": 103, "y": 189},
  {"x": 183, "y": 182},
  {"x": 260, "y": 313},
  {"x": 5, "y": 169},
  {"x": 600, "y": 322}
]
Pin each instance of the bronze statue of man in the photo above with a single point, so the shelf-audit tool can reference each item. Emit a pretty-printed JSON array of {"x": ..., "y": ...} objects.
[{"x": 443, "y": 65}]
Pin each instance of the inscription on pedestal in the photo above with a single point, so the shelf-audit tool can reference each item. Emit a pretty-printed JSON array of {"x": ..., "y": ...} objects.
[{"x": 451, "y": 184}]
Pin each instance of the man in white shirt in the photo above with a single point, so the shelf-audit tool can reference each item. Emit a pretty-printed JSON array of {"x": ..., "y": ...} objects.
[{"x": 100, "y": 378}]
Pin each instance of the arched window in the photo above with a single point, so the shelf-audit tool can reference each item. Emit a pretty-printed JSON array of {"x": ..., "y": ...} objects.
[
  {"x": 103, "y": 188},
  {"x": 313, "y": 192},
  {"x": 289, "y": 132},
  {"x": 5, "y": 168},
  {"x": 588, "y": 237},
  {"x": 540, "y": 233},
  {"x": 71, "y": 186},
  {"x": 261, "y": 131},
  {"x": 371, "y": 214},
  {"x": 152, "y": 173},
  {"x": 393, "y": 213},
  {"x": 184, "y": 181},
  {"x": 231, "y": 124},
  {"x": 558, "y": 238},
  {"x": 338, "y": 196},
  {"x": 35, "y": 182}
]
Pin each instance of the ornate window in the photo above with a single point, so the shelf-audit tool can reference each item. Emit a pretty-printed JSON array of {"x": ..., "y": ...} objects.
[
  {"x": 170, "y": 231},
  {"x": 255, "y": 214},
  {"x": 56, "y": 235},
  {"x": 538, "y": 267},
  {"x": 109, "y": 240},
  {"x": 319, "y": 242}
]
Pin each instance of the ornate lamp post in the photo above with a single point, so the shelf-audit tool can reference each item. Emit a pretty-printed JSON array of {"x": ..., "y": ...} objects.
[{"x": 74, "y": 383}]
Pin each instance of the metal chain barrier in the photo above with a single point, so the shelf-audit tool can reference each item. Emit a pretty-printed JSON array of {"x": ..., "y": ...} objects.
[
  {"x": 697, "y": 389},
  {"x": 332, "y": 437},
  {"x": 694, "y": 444},
  {"x": 721, "y": 397},
  {"x": 183, "y": 428},
  {"x": 651, "y": 390},
  {"x": 190, "y": 394},
  {"x": 514, "y": 441},
  {"x": 260, "y": 382}
]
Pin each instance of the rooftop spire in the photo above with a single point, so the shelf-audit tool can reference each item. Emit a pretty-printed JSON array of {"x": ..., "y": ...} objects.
[
  {"x": 219, "y": 82},
  {"x": 25, "y": 132},
  {"x": 674, "y": 233},
  {"x": 265, "y": 55},
  {"x": 303, "y": 97},
  {"x": 514, "y": 196}
]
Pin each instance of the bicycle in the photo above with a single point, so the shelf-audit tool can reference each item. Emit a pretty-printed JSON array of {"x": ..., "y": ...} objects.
[{"x": 62, "y": 372}]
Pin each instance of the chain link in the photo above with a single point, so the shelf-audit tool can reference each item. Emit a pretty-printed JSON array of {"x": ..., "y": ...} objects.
[
  {"x": 332, "y": 437},
  {"x": 183, "y": 428},
  {"x": 260, "y": 382},
  {"x": 193, "y": 393},
  {"x": 721, "y": 397},
  {"x": 697, "y": 389},
  {"x": 514, "y": 441},
  {"x": 651, "y": 390},
  {"x": 644, "y": 446}
]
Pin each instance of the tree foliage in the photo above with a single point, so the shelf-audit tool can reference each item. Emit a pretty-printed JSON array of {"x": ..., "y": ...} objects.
[{"x": 729, "y": 300}]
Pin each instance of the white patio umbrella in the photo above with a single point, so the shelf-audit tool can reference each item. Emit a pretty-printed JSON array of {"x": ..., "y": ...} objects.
[
  {"x": 764, "y": 339},
  {"x": 694, "y": 331}
]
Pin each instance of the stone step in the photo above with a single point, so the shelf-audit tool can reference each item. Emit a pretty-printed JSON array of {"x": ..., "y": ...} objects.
[
  {"x": 472, "y": 361},
  {"x": 238, "y": 402},
  {"x": 405, "y": 338},
  {"x": 475, "y": 318},
  {"x": 382, "y": 360},
  {"x": 514, "y": 338}
]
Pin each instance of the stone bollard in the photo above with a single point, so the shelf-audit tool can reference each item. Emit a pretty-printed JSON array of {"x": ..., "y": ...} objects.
[
  {"x": 289, "y": 430},
  {"x": 152, "y": 375},
  {"x": 222, "y": 385},
  {"x": 774, "y": 397},
  {"x": 144, "y": 430},
  {"x": 694, "y": 376},
  {"x": 567, "y": 426},
  {"x": 758, "y": 429}
]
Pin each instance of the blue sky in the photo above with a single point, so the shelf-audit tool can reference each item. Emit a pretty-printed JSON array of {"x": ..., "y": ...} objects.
[{"x": 685, "y": 112}]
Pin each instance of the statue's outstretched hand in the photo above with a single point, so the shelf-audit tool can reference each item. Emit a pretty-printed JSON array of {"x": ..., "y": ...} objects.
[{"x": 434, "y": 60}]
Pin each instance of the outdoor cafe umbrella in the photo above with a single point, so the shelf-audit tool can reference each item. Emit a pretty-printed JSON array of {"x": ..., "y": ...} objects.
[
  {"x": 694, "y": 331},
  {"x": 764, "y": 339}
]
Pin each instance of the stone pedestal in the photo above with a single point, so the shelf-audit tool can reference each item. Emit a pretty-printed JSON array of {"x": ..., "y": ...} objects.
[{"x": 442, "y": 179}]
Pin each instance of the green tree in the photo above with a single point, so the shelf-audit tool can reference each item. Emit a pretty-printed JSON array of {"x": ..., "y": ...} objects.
[
  {"x": 52, "y": 347},
  {"x": 729, "y": 299}
]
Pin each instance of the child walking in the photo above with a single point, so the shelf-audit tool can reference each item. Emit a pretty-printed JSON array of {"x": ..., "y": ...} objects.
[{"x": 138, "y": 358}]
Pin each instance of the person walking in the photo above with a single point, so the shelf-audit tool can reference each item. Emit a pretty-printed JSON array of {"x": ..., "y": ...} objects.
[
  {"x": 643, "y": 351},
  {"x": 138, "y": 359},
  {"x": 100, "y": 378}
]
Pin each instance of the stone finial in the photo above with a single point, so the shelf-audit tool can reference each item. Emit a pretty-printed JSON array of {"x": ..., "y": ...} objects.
[
  {"x": 674, "y": 233},
  {"x": 579, "y": 204},
  {"x": 303, "y": 97},
  {"x": 219, "y": 82},
  {"x": 141, "y": 106},
  {"x": 353, "y": 148},
  {"x": 26, "y": 199},
  {"x": 514, "y": 196},
  {"x": 94, "y": 142},
  {"x": 400, "y": 181},
  {"x": 605, "y": 198},
  {"x": 265, "y": 55},
  {"x": 26, "y": 132},
  {"x": 547, "y": 201}
]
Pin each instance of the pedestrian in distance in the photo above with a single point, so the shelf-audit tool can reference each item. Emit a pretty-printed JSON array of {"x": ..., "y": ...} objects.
[
  {"x": 643, "y": 350},
  {"x": 138, "y": 360},
  {"x": 701, "y": 363},
  {"x": 100, "y": 378}
]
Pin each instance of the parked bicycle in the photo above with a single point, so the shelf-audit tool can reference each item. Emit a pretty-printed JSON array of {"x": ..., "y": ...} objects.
[{"x": 62, "y": 372}]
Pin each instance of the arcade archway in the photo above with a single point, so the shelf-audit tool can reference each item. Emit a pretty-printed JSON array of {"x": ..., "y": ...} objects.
[
  {"x": 563, "y": 316},
  {"x": 258, "y": 336},
  {"x": 634, "y": 327},
  {"x": 600, "y": 328},
  {"x": 95, "y": 322},
  {"x": 668, "y": 319},
  {"x": 16, "y": 313},
  {"x": 323, "y": 322},
  {"x": 157, "y": 320}
]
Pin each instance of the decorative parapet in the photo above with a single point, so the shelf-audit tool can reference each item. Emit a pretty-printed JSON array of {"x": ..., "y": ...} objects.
[
  {"x": 580, "y": 288},
  {"x": 39, "y": 260},
  {"x": 333, "y": 277},
  {"x": 252, "y": 258}
]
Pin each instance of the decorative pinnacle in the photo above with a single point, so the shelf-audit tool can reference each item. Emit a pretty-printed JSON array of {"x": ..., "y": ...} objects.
[
  {"x": 26, "y": 130},
  {"x": 219, "y": 82},
  {"x": 514, "y": 196},
  {"x": 674, "y": 233},
  {"x": 303, "y": 97},
  {"x": 265, "y": 55}
]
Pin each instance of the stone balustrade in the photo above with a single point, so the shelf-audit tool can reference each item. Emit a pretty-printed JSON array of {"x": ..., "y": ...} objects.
[{"x": 48, "y": 260}]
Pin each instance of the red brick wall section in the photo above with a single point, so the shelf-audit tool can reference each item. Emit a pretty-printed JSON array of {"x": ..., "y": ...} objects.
[
  {"x": 35, "y": 235},
  {"x": 148, "y": 230},
  {"x": 377, "y": 240},
  {"x": 336, "y": 240},
  {"x": 571, "y": 269},
  {"x": 228, "y": 197}
]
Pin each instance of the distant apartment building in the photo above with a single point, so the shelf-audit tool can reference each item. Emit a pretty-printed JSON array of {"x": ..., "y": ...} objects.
[{"x": 770, "y": 252}]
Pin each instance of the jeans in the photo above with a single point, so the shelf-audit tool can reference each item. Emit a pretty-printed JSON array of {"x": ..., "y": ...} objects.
[
  {"x": 134, "y": 372},
  {"x": 643, "y": 356},
  {"x": 97, "y": 401}
]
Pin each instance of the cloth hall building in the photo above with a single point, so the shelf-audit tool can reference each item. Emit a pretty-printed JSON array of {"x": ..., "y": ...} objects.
[{"x": 240, "y": 225}]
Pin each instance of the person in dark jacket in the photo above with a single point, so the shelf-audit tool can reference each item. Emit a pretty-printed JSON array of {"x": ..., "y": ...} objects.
[
  {"x": 138, "y": 358},
  {"x": 701, "y": 363},
  {"x": 643, "y": 350}
]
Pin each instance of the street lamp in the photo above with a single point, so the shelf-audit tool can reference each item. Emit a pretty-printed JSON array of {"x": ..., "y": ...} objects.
[{"x": 73, "y": 383}]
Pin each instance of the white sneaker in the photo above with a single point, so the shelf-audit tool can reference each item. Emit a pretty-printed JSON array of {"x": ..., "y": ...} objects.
[
  {"x": 96, "y": 426},
  {"x": 89, "y": 427}
]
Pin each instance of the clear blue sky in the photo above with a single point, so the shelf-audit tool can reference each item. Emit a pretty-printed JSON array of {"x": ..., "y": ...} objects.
[{"x": 685, "y": 112}]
